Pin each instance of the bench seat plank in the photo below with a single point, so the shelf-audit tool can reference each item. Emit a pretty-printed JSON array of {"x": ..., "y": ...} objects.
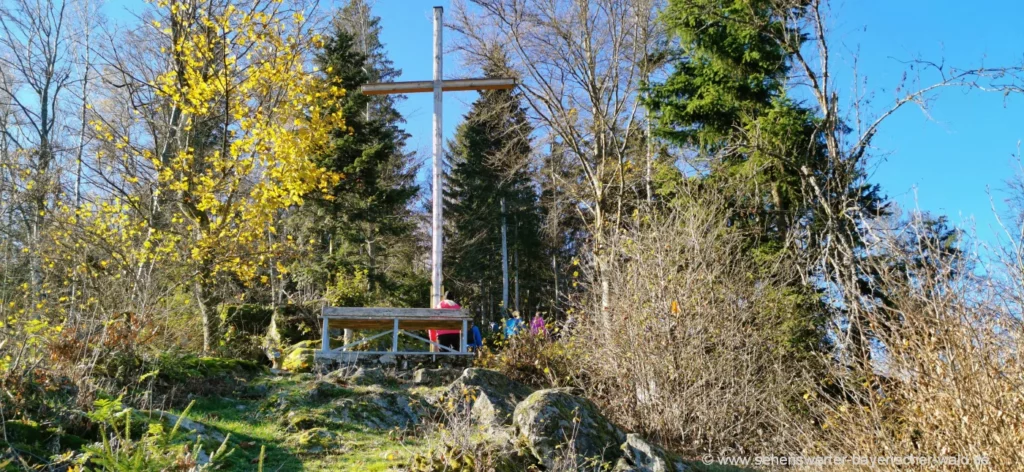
[
  {"x": 415, "y": 325},
  {"x": 392, "y": 313}
]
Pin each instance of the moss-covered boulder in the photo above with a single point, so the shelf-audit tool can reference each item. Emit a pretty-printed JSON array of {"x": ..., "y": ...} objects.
[
  {"x": 291, "y": 324},
  {"x": 642, "y": 456},
  {"x": 559, "y": 427},
  {"x": 296, "y": 421},
  {"x": 381, "y": 410},
  {"x": 299, "y": 357},
  {"x": 323, "y": 391},
  {"x": 179, "y": 368},
  {"x": 313, "y": 441},
  {"x": 490, "y": 396},
  {"x": 368, "y": 376}
]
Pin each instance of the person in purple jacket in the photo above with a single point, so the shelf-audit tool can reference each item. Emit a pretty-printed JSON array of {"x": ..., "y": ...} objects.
[{"x": 537, "y": 325}]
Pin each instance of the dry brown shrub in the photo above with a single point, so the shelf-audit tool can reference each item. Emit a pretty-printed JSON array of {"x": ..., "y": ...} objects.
[
  {"x": 693, "y": 357},
  {"x": 946, "y": 378}
]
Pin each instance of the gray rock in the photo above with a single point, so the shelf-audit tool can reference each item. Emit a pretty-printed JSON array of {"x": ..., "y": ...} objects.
[
  {"x": 642, "y": 456},
  {"x": 368, "y": 376},
  {"x": 433, "y": 377},
  {"x": 563, "y": 430},
  {"x": 387, "y": 359},
  {"x": 195, "y": 428},
  {"x": 490, "y": 396},
  {"x": 379, "y": 410},
  {"x": 322, "y": 391},
  {"x": 202, "y": 459}
]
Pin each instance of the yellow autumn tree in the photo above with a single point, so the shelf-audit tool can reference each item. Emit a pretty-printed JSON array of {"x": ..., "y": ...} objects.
[{"x": 243, "y": 114}]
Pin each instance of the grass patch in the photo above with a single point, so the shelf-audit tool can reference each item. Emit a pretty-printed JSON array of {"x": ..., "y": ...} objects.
[{"x": 255, "y": 422}]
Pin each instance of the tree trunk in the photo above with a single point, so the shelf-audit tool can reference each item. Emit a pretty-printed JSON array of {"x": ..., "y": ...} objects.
[
  {"x": 504, "y": 259},
  {"x": 207, "y": 307}
]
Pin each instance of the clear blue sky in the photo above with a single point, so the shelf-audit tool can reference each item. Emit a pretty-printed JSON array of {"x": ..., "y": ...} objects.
[{"x": 944, "y": 165}]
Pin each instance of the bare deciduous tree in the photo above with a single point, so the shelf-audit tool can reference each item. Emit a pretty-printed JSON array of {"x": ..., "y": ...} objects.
[
  {"x": 582, "y": 64},
  {"x": 36, "y": 37}
]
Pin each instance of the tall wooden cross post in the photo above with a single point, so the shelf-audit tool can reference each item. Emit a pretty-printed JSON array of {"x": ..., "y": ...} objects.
[{"x": 438, "y": 85}]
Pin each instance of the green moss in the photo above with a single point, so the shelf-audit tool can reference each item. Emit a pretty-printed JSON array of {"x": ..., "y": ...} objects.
[
  {"x": 299, "y": 359},
  {"x": 304, "y": 420},
  {"x": 37, "y": 440},
  {"x": 180, "y": 368}
]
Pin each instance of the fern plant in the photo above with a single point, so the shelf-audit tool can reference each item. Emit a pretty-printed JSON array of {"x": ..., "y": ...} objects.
[{"x": 155, "y": 450}]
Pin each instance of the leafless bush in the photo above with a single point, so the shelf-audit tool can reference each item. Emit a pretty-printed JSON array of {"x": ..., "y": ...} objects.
[
  {"x": 946, "y": 377},
  {"x": 694, "y": 356}
]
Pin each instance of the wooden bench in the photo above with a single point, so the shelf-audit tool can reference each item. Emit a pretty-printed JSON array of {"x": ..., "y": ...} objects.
[{"x": 397, "y": 321}]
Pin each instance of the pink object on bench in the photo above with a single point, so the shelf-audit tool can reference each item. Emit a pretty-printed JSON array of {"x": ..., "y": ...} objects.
[{"x": 445, "y": 305}]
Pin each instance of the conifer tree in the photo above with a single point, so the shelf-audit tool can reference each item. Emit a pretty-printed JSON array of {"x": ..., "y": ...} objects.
[
  {"x": 365, "y": 234},
  {"x": 489, "y": 164},
  {"x": 726, "y": 100}
]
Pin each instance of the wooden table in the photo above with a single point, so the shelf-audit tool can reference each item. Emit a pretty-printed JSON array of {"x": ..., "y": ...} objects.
[{"x": 399, "y": 320}]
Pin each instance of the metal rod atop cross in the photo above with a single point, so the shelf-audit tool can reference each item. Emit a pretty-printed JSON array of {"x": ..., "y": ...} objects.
[{"x": 438, "y": 85}]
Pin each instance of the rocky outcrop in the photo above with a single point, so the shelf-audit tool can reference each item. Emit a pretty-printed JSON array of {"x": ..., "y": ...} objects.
[
  {"x": 490, "y": 396},
  {"x": 642, "y": 456},
  {"x": 433, "y": 377},
  {"x": 564, "y": 430},
  {"x": 322, "y": 391},
  {"x": 368, "y": 376},
  {"x": 380, "y": 410}
]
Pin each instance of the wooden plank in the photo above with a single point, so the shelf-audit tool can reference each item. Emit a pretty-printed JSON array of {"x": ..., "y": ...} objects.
[
  {"x": 414, "y": 325},
  {"x": 462, "y": 85},
  {"x": 465, "y": 332},
  {"x": 392, "y": 313},
  {"x": 394, "y": 337},
  {"x": 421, "y": 86}
]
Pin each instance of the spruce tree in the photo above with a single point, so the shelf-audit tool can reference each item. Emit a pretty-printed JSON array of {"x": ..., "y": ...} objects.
[
  {"x": 726, "y": 100},
  {"x": 489, "y": 164},
  {"x": 364, "y": 229},
  {"x": 728, "y": 83}
]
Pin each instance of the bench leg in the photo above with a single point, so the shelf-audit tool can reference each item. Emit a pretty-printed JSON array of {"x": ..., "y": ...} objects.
[
  {"x": 325, "y": 336},
  {"x": 462, "y": 339},
  {"x": 394, "y": 337}
]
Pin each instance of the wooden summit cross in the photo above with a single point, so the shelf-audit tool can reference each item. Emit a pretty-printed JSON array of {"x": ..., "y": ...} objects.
[
  {"x": 413, "y": 318},
  {"x": 438, "y": 85}
]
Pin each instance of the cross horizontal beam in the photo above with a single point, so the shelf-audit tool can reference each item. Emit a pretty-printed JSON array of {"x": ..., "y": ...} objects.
[{"x": 415, "y": 86}]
